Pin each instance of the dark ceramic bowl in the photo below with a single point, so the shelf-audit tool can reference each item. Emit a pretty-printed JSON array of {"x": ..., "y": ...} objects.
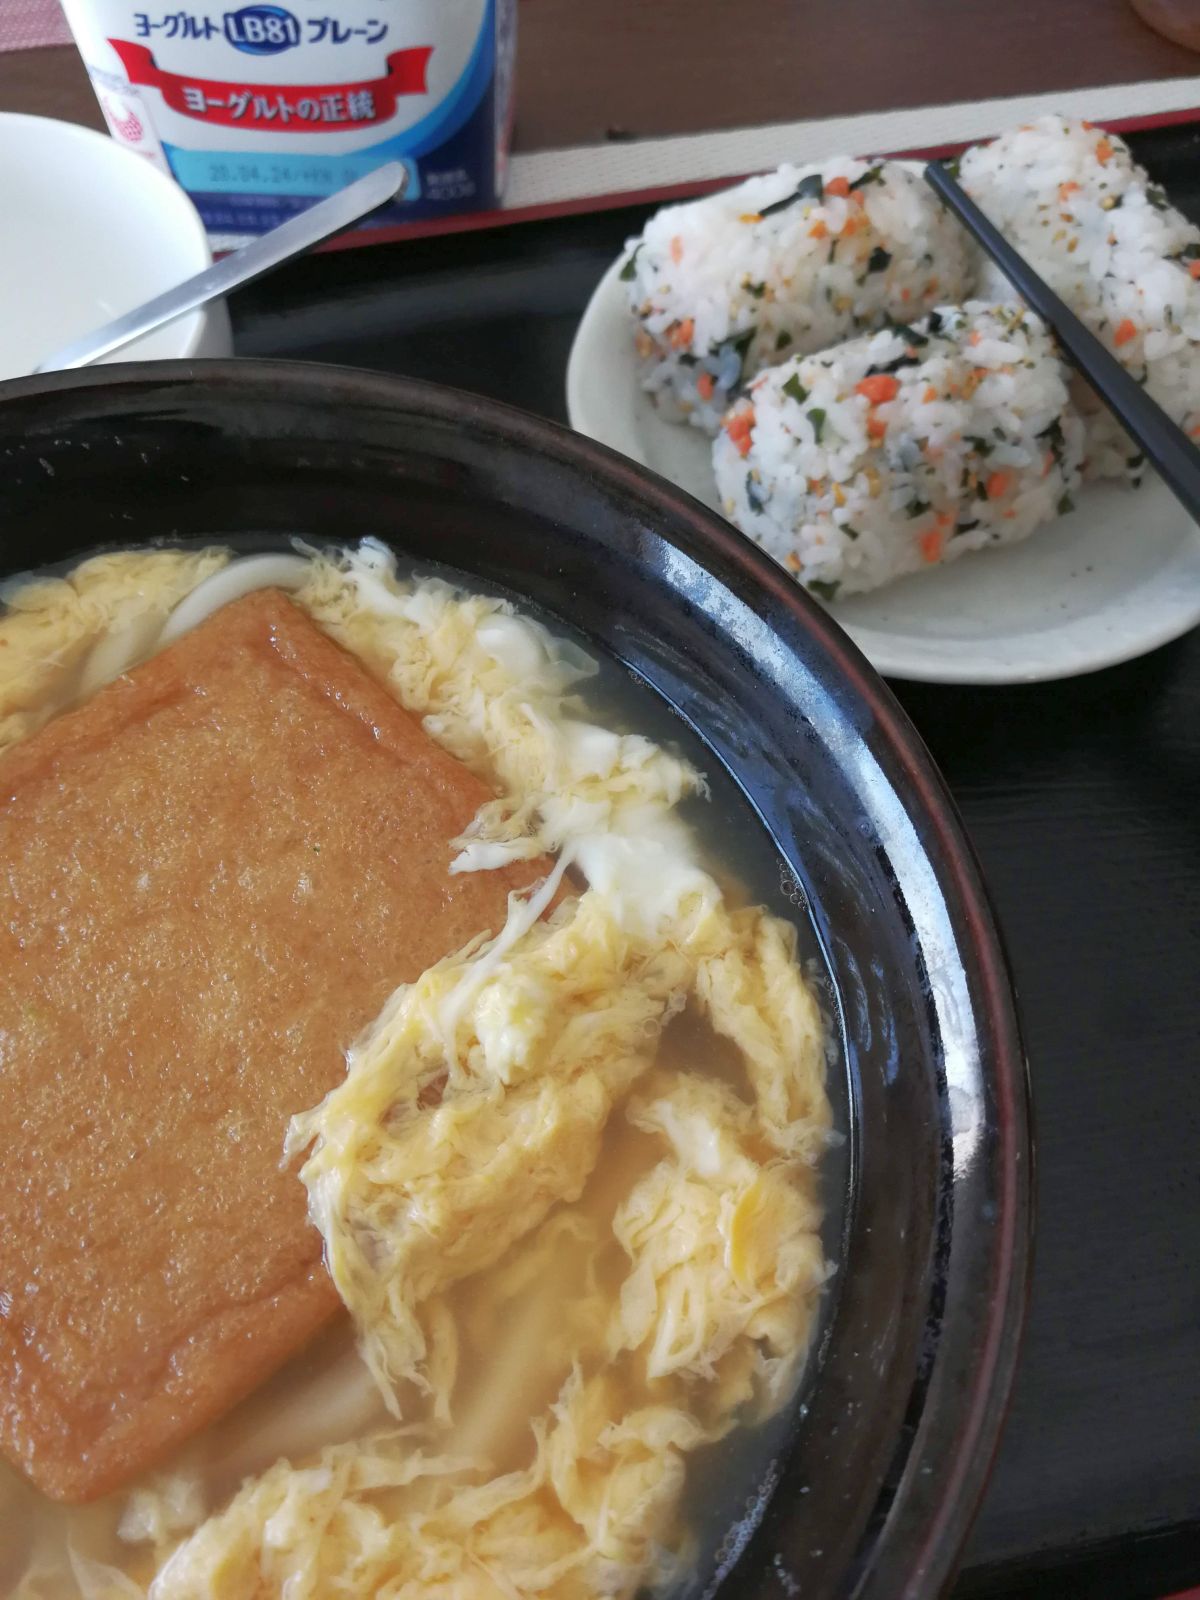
[{"x": 884, "y": 1458}]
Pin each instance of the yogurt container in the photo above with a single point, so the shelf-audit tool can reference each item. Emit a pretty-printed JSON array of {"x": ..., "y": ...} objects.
[{"x": 261, "y": 109}]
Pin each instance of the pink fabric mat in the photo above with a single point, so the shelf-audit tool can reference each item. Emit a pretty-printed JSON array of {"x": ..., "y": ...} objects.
[{"x": 25, "y": 24}]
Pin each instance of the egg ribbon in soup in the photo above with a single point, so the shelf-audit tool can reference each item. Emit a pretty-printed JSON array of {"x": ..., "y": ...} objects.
[{"x": 471, "y": 1119}]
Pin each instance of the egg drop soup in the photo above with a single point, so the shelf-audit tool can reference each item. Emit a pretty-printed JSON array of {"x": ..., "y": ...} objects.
[{"x": 413, "y": 1094}]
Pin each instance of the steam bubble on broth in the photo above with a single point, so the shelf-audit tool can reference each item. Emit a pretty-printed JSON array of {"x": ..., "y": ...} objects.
[{"x": 516, "y": 1160}]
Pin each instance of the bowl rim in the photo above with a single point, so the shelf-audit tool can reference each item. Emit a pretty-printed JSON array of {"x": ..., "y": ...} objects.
[
  {"x": 946, "y": 1460},
  {"x": 174, "y": 209}
]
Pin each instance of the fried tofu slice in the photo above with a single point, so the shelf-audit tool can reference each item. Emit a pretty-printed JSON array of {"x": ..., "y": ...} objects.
[{"x": 212, "y": 875}]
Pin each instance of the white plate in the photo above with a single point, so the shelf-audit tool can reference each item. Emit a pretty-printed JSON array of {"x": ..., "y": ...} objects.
[{"x": 1117, "y": 577}]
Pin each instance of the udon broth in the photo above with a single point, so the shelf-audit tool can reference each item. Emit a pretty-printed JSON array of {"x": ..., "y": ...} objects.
[{"x": 550, "y": 1327}]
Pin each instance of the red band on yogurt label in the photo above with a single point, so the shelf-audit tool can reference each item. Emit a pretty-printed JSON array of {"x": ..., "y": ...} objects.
[{"x": 305, "y": 108}]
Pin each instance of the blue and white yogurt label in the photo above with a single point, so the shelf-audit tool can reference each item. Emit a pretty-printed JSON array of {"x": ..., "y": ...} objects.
[{"x": 259, "y": 109}]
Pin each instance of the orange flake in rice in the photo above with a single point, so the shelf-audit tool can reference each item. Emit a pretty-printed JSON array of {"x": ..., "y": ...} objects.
[
  {"x": 739, "y": 426},
  {"x": 878, "y": 388},
  {"x": 933, "y": 540},
  {"x": 998, "y": 484}
]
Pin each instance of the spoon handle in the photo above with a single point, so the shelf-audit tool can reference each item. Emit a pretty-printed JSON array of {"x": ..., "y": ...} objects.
[{"x": 263, "y": 255}]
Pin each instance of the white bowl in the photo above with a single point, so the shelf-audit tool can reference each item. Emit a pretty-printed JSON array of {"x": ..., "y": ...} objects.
[{"x": 91, "y": 230}]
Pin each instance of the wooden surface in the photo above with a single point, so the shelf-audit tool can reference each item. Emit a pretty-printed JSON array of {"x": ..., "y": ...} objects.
[{"x": 595, "y": 69}]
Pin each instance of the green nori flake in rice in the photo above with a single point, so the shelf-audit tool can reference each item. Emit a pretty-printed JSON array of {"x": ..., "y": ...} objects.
[
  {"x": 757, "y": 290},
  {"x": 817, "y": 417},
  {"x": 879, "y": 261},
  {"x": 981, "y": 491},
  {"x": 851, "y": 533},
  {"x": 983, "y": 446},
  {"x": 687, "y": 359},
  {"x": 871, "y": 175},
  {"x": 794, "y": 389},
  {"x": 1053, "y": 435},
  {"x": 905, "y": 360},
  {"x": 964, "y": 527},
  {"x": 782, "y": 339},
  {"x": 1157, "y": 197},
  {"x": 753, "y": 499},
  {"x": 810, "y": 188},
  {"x": 916, "y": 508},
  {"x": 910, "y": 335},
  {"x": 934, "y": 322},
  {"x": 1064, "y": 505},
  {"x": 629, "y": 270},
  {"x": 822, "y": 590},
  {"x": 1135, "y": 462}
]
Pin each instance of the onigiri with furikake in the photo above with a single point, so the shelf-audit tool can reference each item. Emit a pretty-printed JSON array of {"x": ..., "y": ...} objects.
[
  {"x": 781, "y": 265},
  {"x": 1070, "y": 197},
  {"x": 903, "y": 449}
]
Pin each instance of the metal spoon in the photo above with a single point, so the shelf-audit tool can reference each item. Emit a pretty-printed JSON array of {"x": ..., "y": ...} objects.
[{"x": 291, "y": 238}]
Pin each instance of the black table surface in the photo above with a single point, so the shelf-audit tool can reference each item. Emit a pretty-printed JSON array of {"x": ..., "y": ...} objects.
[{"x": 1083, "y": 800}]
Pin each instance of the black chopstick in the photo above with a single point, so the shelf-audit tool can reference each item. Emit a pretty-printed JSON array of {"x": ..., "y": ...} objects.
[{"x": 1166, "y": 446}]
